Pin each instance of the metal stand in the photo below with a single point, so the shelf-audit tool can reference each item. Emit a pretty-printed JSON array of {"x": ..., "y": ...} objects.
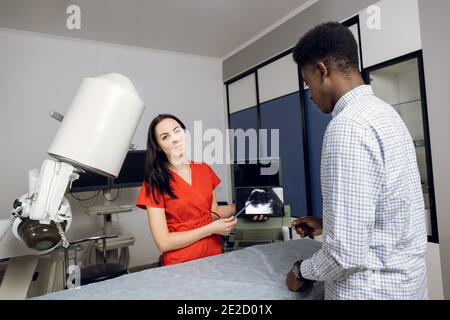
[
  {"x": 107, "y": 218},
  {"x": 107, "y": 210}
]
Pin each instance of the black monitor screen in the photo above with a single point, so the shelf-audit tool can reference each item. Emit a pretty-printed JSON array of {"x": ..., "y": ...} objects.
[
  {"x": 89, "y": 182},
  {"x": 132, "y": 172},
  {"x": 250, "y": 174}
]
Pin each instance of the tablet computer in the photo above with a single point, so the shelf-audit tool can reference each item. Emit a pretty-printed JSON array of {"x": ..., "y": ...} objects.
[{"x": 253, "y": 201}]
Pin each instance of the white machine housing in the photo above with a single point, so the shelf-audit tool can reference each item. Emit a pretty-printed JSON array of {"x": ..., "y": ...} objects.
[
  {"x": 95, "y": 135},
  {"x": 99, "y": 125}
]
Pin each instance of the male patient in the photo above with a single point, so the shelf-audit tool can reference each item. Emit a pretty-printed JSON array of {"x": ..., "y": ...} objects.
[{"x": 374, "y": 235}]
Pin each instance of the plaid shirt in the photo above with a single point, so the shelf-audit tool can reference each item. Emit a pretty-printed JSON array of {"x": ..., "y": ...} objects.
[{"x": 374, "y": 234}]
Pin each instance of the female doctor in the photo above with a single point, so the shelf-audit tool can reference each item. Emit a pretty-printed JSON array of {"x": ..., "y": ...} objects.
[{"x": 184, "y": 217}]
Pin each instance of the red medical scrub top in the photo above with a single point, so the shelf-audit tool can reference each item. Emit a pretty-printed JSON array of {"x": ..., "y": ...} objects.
[{"x": 191, "y": 210}]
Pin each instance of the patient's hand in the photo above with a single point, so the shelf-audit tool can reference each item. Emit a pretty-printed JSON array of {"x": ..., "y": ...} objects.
[
  {"x": 293, "y": 283},
  {"x": 308, "y": 226}
]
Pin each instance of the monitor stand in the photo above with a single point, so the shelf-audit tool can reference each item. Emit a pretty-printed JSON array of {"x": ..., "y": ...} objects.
[{"x": 107, "y": 210}]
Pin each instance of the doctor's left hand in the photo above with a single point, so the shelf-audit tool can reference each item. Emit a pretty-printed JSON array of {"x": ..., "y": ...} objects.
[
  {"x": 255, "y": 218},
  {"x": 260, "y": 218}
]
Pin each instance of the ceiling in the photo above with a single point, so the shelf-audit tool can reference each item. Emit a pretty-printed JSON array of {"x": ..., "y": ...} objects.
[{"x": 202, "y": 27}]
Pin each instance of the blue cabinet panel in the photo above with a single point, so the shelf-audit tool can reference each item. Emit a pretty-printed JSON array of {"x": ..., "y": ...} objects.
[
  {"x": 245, "y": 119},
  {"x": 316, "y": 124},
  {"x": 285, "y": 114}
]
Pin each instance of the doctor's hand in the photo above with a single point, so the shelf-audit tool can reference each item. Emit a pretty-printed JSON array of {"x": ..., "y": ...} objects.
[
  {"x": 223, "y": 226},
  {"x": 260, "y": 217},
  {"x": 308, "y": 226}
]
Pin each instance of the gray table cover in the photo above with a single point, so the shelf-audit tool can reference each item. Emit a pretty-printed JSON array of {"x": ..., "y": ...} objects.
[{"x": 254, "y": 273}]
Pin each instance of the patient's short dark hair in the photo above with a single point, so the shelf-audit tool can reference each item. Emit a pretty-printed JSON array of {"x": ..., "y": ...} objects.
[{"x": 331, "y": 42}]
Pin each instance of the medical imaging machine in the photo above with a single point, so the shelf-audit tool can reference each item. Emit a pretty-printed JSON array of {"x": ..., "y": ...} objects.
[{"x": 94, "y": 136}]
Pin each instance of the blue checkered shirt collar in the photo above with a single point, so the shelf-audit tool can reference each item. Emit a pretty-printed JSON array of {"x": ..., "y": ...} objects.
[{"x": 363, "y": 90}]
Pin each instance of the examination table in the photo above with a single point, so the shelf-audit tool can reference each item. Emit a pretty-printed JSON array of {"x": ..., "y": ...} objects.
[{"x": 253, "y": 273}]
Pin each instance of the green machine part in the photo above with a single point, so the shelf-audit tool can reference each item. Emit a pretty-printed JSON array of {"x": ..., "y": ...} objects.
[{"x": 261, "y": 231}]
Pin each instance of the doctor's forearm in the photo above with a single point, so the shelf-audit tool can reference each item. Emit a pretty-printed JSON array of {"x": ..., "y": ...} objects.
[
  {"x": 178, "y": 240},
  {"x": 226, "y": 211}
]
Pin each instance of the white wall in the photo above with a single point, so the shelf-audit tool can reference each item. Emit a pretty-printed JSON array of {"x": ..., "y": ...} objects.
[
  {"x": 242, "y": 94},
  {"x": 435, "y": 27},
  {"x": 398, "y": 32},
  {"x": 41, "y": 72},
  {"x": 278, "y": 79}
]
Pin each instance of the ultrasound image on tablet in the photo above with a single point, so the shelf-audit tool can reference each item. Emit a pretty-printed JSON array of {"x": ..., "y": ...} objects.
[{"x": 266, "y": 201}]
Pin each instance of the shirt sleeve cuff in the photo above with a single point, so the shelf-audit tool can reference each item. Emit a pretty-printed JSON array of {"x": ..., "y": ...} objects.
[{"x": 306, "y": 270}]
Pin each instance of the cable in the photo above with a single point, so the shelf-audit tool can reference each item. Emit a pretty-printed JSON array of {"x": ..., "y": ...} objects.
[
  {"x": 87, "y": 199},
  {"x": 87, "y": 205},
  {"x": 65, "y": 242},
  {"x": 5, "y": 231},
  {"x": 87, "y": 202},
  {"x": 119, "y": 191}
]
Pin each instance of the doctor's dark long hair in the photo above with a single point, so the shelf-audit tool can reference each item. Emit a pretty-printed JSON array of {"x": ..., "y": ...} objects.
[{"x": 157, "y": 175}]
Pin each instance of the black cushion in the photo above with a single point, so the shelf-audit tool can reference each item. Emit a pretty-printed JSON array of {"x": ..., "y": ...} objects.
[{"x": 100, "y": 272}]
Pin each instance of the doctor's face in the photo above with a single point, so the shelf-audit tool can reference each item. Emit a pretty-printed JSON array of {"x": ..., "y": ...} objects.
[{"x": 171, "y": 138}]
